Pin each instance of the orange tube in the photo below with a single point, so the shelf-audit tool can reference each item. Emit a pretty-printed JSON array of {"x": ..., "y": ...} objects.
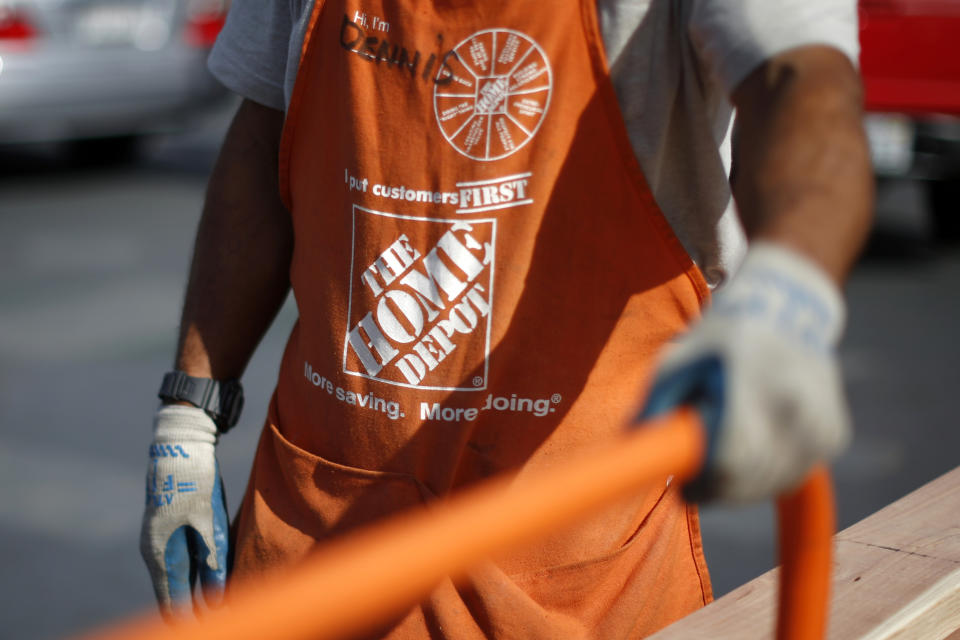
[
  {"x": 351, "y": 585},
  {"x": 807, "y": 522}
]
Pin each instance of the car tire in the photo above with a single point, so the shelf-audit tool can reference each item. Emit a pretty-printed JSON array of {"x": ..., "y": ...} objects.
[
  {"x": 100, "y": 152},
  {"x": 944, "y": 202}
]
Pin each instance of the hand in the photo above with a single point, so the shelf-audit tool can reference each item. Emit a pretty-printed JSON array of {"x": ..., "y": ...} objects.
[
  {"x": 762, "y": 369},
  {"x": 184, "y": 531}
]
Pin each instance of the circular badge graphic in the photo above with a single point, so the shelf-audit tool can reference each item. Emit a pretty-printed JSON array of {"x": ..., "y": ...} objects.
[{"x": 493, "y": 94}]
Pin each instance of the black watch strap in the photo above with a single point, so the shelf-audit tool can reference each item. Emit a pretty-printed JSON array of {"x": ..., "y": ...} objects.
[{"x": 222, "y": 400}]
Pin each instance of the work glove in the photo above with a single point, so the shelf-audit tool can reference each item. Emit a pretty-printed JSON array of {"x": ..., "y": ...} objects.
[
  {"x": 184, "y": 531},
  {"x": 761, "y": 368}
]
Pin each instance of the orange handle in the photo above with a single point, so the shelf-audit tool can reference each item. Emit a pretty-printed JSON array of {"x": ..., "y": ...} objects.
[
  {"x": 807, "y": 522},
  {"x": 352, "y": 584}
]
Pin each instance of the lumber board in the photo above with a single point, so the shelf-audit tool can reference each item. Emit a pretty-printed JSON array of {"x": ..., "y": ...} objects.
[{"x": 896, "y": 577}]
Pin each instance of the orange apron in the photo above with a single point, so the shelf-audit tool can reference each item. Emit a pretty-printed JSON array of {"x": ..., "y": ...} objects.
[{"x": 483, "y": 279}]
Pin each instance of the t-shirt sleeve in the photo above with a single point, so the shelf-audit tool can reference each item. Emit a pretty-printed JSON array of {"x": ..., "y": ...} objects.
[
  {"x": 250, "y": 55},
  {"x": 733, "y": 37}
]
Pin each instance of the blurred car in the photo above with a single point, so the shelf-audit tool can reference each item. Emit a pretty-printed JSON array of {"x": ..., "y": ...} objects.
[
  {"x": 910, "y": 59},
  {"x": 106, "y": 71}
]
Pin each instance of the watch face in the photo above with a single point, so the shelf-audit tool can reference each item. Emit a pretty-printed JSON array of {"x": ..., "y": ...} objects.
[{"x": 231, "y": 404}]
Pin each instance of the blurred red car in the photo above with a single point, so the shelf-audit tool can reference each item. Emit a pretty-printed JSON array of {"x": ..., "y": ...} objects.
[
  {"x": 104, "y": 70},
  {"x": 910, "y": 59}
]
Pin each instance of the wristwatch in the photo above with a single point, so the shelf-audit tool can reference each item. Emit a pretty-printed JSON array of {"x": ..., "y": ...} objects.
[{"x": 222, "y": 400}]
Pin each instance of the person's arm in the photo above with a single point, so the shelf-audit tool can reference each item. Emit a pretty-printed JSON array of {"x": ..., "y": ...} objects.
[
  {"x": 240, "y": 272},
  {"x": 761, "y": 365},
  {"x": 238, "y": 280},
  {"x": 802, "y": 175}
]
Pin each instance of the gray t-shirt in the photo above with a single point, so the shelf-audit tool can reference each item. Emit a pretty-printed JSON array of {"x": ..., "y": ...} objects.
[{"x": 674, "y": 64}]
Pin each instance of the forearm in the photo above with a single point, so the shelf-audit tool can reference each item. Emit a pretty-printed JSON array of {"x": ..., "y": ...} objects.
[
  {"x": 240, "y": 271},
  {"x": 802, "y": 175}
]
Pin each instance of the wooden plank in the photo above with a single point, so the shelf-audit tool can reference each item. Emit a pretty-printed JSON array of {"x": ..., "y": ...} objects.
[
  {"x": 896, "y": 576},
  {"x": 898, "y": 595}
]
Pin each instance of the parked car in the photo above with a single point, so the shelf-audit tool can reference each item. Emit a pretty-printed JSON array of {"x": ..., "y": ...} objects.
[
  {"x": 106, "y": 71},
  {"x": 910, "y": 61}
]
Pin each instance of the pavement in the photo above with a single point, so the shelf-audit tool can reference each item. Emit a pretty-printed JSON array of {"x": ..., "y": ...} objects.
[{"x": 92, "y": 265}]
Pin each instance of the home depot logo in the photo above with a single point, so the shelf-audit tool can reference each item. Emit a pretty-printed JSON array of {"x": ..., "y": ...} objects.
[{"x": 420, "y": 301}]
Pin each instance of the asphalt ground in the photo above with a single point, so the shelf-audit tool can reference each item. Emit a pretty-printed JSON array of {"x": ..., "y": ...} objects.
[{"x": 92, "y": 264}]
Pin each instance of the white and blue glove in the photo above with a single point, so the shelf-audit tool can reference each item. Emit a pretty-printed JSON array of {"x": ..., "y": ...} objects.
[
  {"x": 185, "y": 526},
  {"x": 762, "y": 369}
]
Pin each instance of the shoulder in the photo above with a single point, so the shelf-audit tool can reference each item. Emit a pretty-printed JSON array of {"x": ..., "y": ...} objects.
[
  {"x": 735, "y": 36},
  {"x": 251, "y": 54}
]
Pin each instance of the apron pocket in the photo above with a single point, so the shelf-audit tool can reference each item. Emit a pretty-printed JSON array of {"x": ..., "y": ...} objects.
[
  {"x": 296, "y": 500},
  {"x": 322, "y": 498},
  {"x": 630, "y": 591}
]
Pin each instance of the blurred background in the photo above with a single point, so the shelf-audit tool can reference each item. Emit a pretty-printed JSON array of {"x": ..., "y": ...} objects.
[{"x": 109, "y": 125}]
